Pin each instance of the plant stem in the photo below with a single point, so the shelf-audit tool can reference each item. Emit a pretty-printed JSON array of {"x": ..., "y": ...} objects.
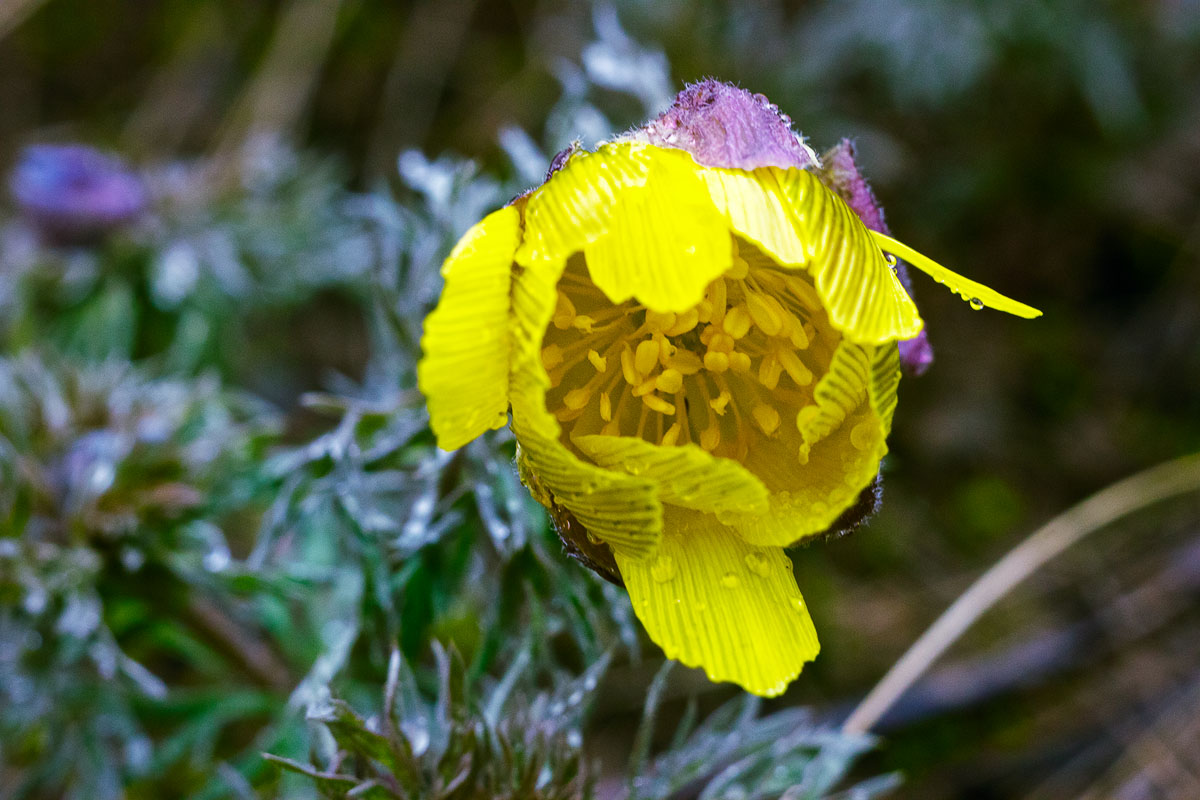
[{"x": 1166, "y": 480}]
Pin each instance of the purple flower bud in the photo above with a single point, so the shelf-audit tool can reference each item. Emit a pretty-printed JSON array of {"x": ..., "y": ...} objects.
[
  {"x": 724, "y": 126},
  {"x": 74, "y": 194}
]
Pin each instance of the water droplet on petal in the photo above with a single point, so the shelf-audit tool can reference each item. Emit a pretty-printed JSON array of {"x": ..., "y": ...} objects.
[
  {"x": 663, "y": 569},
  {"x": 758, "y": 564},
  {"x": 976, "y": 303},
  {"x": 798, "y": 604},
  {"x": 729, "y": 580}
]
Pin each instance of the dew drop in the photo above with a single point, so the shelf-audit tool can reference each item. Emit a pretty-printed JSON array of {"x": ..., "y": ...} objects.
[
  {"x": 976, "y": 303},
  {"x": 758, "y": 564},
  {"x": 798, "y": 604},
  {"x": 729, "y": 580},
  {"x": 663, "y": 569}
]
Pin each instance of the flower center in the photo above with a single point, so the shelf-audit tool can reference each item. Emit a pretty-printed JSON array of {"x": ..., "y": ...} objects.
[{"x": 737, "y": 368}]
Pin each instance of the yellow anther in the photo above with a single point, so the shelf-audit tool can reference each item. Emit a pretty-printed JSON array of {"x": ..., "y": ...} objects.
[
  {"x": 704, "y": 311},
  {"x": 798, "y": 334},
  {"x": 767, "y": 418},
  {"x": 611, "y": 429},
  {"x": 577, "y": 398},
  {"x": 805, "y": 417},
  {"x": 716, "y": 296},
  {"x": 671, "y": 436},
  {"x": 646, "y": 356},
  {"x": 769, "y": 371},
  {"x": 738, "y": 270},
  {"x": 685, "y": 362},
  {"x": 719, "y": 402},
  {"x": 656, "y": 403},
  {"x": 665, "y": 349},
  {"x": 583, "y": 322},
  {"x": 564, "y": 312},
  {"x": 684, "y": 322},
  {"x": 722, "y": 343},
  {"x": 715, "y": 361},
  {"x": 659, "y": 321},
  {"x": 739, "y": 361},
  {"x": 803, "y": 454},
  {"x": 605, "y": 407},
  {"x": 644, "y": 388},
  {"x": 628, "y": 368},
  {"x": 669, "y": 381},
  {"x": 766, "y": 312},
  {"x": 552, "y": 356},
  {"x": 791, "y": 362},
  {"x": 710, "y": 438},
  {"x": 737, "y": 321},
  {"x": 598, "y": 361}
]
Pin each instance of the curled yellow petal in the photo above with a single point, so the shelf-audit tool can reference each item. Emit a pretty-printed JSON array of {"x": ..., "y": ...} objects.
[
  {"x": 976, "y": 294},
  {"x": 800, "y": 223},
  {"x": 710, "y": 600},
  {"x": 686, "y": 475},
  {"x": 464, "y": 371}
]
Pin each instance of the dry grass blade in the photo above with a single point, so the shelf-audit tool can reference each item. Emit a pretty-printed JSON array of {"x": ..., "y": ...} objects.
[{"x": 1145, "y": 488}]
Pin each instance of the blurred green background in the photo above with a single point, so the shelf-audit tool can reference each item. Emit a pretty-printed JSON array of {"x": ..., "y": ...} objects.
[{"x": 1048, "y": 149}]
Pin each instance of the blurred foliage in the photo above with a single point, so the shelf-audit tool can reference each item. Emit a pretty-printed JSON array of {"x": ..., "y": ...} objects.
[{"x": 225, "y": 529}]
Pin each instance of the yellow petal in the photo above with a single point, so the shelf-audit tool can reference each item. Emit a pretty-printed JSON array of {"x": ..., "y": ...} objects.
[
  {"x": 756, "y": 207},
  {"x": 846, "y": 433},
  {"x": 800, "y": 223},
  {"x": 862, "y": 294},
  {"x": 710, "y": 600},
  {"x": 464, "y": 372},
  {"x": 665, "y": 242},
  {"x": 574, "y": 207},
  {"x": 885, "y": 380},
  {"x": 975, "y": 293},
  {"x": 686, "y": 475},
  {"x": 622, "y": 510}
]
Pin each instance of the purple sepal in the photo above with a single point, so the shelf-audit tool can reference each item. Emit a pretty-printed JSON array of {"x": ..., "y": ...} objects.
[
  {"x": 841, "y": 175},
  {"x": 722, "y": 125},
  {"x": 916, "y": 354},
  {"x": 74, "y": 194}
]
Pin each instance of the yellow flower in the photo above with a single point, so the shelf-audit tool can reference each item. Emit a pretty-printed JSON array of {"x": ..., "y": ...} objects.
[{"x": 701, "y": 367}]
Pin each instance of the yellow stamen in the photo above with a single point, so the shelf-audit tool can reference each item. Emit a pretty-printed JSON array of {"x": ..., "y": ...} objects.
[
  {"x": 766, "y": 312},
  {"x": 605, "y": 407},
  {"x": 564, "y": 312},
  {"x": 659, "y": 321},
  {"x": 739, "y": 361},
  {"x": 710, "y": 438},
  {"x": 646, "y": 356},
  {"x": 769, "y": 371},
  {"x": 685, "y": 362},
  {"x": 684, "y": 322},
  {"x": 598, "y": 361},
  {"x": 715, "y": 361},
  {"x": 628, "y": 368},
  {"x": 670, "y": 381},
  {"x": 576, "y": 399},
  {"x": 656, "y": 403},
  {"x": 795, "y": 367},
  {"x": 552, "y": 356},
  {"x": 671, "y": 436},
  {"x": 644, "y": 388},
  {"x": 737, "y": 321},
  {"x": 719, "y": 403},
  {"x": 767, "y": 418}
]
